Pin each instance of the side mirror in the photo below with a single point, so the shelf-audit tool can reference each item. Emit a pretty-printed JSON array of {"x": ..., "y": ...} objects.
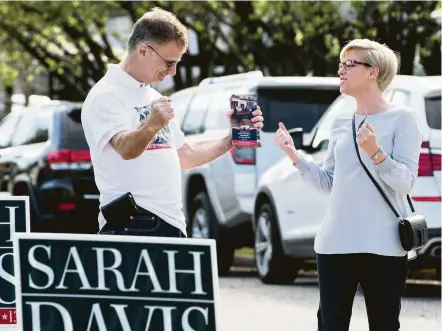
[
  {"x": 323, "y": 145},
  {"x": 297, "y": 136}
]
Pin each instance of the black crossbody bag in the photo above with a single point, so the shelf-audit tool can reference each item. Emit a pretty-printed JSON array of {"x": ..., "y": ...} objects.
[{"x": 413, "y": 231}]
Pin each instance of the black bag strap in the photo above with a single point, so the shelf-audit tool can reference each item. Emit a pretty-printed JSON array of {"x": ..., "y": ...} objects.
[{"x": 369, "y": 174}]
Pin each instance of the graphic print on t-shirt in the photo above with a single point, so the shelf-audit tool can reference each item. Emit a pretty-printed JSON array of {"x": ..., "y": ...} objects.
[{"x": 162, "y": 138}]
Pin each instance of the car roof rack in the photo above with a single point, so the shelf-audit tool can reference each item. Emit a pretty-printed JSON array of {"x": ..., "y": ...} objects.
[{"x": 244, "y": 77}]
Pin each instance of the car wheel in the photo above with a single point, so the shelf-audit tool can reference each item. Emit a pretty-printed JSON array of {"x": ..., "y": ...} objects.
[
  {"x": 272, "y": 265},
  {"x": 203, "y": 224}
]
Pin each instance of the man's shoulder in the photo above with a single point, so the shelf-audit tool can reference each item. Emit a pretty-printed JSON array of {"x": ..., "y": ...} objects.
[
  {"x": 103, "y": 92},
  {"x": 102, "y": 97},
  {"x": 102, "y": 87},
  {"x": 153, "y": 93}
]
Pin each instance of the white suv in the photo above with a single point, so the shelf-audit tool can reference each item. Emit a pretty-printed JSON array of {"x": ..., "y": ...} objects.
[
  {"x": 218, "y": 197},
  {"x": 288, "y": 212}
]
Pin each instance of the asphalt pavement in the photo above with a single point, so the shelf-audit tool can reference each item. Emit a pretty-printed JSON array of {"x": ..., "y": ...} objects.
[{"x": 246, "y": 304}]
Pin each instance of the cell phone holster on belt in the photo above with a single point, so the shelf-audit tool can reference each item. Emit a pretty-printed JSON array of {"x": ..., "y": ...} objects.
[{"x": 120, "y": 211}]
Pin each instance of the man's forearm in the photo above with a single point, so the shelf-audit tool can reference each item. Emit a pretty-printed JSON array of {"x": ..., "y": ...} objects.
[
  {"x": 131, "y": 144},
  {"x": 195, "y": 154}
]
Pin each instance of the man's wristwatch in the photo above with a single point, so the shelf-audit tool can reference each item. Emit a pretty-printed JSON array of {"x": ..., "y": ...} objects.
[{"x": 376, "y": 155}]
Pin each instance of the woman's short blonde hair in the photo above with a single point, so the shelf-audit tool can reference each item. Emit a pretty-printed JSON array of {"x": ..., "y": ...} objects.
[{"x": 376, "y": 55}]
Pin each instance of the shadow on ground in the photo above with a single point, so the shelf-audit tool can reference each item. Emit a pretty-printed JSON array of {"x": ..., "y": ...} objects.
[
  {"x": 416, "y": 288},
  {"x": 425, "y": 290}
]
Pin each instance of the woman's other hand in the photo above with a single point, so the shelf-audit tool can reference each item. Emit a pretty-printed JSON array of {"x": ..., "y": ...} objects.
[
  {"x": 285, "y": 142},
  {"x": 366, "y": 138}
]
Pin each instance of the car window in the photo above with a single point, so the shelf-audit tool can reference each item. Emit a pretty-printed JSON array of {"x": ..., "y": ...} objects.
[
  {"x": 296, "y": 107},
  {"x": 433, "y": 111},
  {"x": 43, "y": 124},
  {"x": 217, "y": 116},
  {"x": 196, "y": 114},
  {"x": 33, "y": 128},
  {"x": 344, "y": 104},
  {"x": 72, "y": 133},
  {"x": 7, "y": 129},
  {"x": 180, "y": 104}
]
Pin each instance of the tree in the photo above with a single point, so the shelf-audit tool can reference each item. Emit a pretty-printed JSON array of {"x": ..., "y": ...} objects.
[
  {"x": 430, "y": 55},
  {"x": 202, "y": 18},
  {"x": 70, "y": 42},
  {"x": 289, "y": 38},
  {"x": 406, "y": 27},
  {"x": 67, "y": 38}
]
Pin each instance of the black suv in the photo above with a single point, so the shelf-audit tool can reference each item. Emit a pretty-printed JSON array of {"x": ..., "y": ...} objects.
[{"x": 44, "y": 155}]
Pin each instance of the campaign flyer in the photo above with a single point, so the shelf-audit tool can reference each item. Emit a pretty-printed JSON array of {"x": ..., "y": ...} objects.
[{"x": 244, "y": 134}]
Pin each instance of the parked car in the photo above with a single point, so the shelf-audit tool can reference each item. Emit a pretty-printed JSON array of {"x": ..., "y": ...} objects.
[
  {"x": 218, "y": 197},
  {"x": 288, "y": 212},
  {"x": 44, "y": 155}
]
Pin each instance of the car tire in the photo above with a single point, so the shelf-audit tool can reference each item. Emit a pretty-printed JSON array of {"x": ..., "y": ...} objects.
[
  {"x": 272, "y": 265},
  {"x": 202, "y": 216}
]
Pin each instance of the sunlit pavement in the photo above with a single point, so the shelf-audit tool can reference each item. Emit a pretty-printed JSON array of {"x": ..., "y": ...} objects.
[{"x": 247, "y": 304}]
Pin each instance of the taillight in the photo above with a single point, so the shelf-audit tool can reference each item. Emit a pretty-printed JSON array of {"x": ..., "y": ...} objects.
[
  {"x": 425, "y": 167},
  {"x": 66, "y": 206},
  {"x": 243, "y": 156},
  {"x": 428, "y": 162},
  {"x": 427, "y": 199},
  {"x": 66, "y": 159},
  {"x": 435, "y": 160}
]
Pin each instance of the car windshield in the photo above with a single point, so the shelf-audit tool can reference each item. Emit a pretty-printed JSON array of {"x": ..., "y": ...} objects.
[
  {"x": 7, "y": 129},
  {"x": 295, "y": 107}
]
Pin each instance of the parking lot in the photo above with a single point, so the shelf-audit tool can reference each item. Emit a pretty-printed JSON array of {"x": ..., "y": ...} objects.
[{"x": 247, "y": 304}]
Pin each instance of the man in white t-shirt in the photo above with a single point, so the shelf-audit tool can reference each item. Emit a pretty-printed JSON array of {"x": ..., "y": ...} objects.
[{"x": 136, "y": 145}]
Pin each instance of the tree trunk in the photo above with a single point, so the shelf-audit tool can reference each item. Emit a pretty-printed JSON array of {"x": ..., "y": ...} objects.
[
  {"x": 51, "y": 85},
  {"x": 63, "y": 92},
  {"x": 189, "y": 78},
  {"x": 431, "y": 63},
  {"x": 178, "y": 80},
  {"x": 9, "y": 90},
  {"x": 408, "y": 54},
  {"x": 319, "y": 62}
]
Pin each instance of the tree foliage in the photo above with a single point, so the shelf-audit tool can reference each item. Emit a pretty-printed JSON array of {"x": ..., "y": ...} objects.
[{"x": 68, "y": 40}]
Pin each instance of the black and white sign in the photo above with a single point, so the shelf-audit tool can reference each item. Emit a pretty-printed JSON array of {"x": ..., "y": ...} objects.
[
  {"x": 109, "y": 283},
  {"x": 14, "y": 217}
]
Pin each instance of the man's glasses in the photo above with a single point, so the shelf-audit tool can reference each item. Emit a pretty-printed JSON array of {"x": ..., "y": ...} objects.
[
  {"x": 169, "y": 64},
  {"x": 347, "y": 65}
]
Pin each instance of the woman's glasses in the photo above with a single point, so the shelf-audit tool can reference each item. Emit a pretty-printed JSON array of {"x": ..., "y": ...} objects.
[{"x": 347, "y": 65}]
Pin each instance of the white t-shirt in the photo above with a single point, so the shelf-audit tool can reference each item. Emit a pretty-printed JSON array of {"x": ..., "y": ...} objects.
[{"x": 117, "y": 103}]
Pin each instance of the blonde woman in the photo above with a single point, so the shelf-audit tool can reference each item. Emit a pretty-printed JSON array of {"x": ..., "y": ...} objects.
[{"x": 358, "y": 242}]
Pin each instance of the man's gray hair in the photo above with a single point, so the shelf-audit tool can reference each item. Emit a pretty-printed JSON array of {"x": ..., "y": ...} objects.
[{"x": 157, "y": 26}]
